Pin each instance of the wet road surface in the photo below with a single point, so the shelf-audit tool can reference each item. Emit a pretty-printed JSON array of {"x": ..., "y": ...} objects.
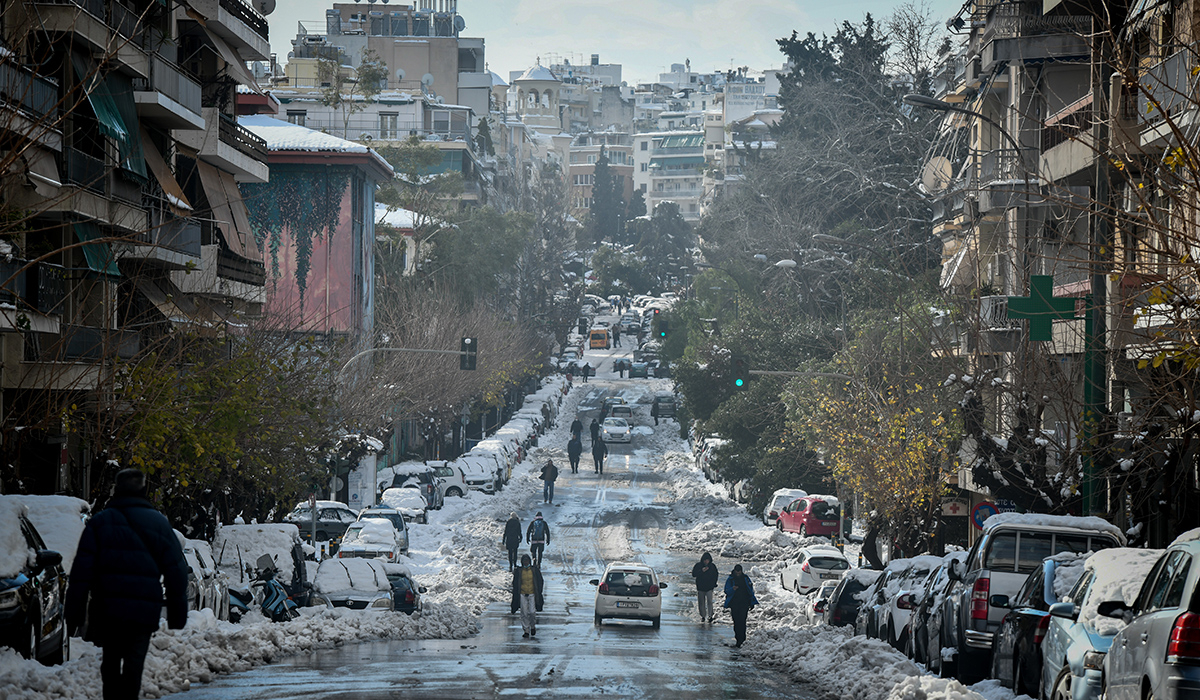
[{"x": 596, "y": 519}]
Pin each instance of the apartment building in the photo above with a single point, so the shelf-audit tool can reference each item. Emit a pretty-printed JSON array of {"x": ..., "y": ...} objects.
[
  {"x": 585, "y": 151},
  {"x": 123, "y": 153},
  {"x": 669, "y": 166}
]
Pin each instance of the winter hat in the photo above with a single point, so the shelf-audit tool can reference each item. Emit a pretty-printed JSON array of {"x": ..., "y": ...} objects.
[
  {"x": 737, "y": 568},
  {"x": 539, "y": 515},
  {"x": 130, "y": 482},
  {"x": 513, "y": 514}
]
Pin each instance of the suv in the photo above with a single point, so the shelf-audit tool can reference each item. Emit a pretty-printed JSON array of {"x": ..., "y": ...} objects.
[
  {"x": 1157, "y": 655},
  {"x": 420, "y": 476},
  {"x": 332, "y": 519},
  {"x": 395, "y": 517},
  {"x": 452, "y": 477},
  {"x": 629, "y": 591},
  {"x": 1011, "y": 546},
  {"x": 33, "y": 587}
]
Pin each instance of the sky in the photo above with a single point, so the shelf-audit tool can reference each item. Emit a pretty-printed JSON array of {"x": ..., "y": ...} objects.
[{"x": 645, "y": 36}]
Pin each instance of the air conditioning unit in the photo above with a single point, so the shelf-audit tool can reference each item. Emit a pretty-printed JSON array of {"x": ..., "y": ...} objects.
[
  {"x": 993, "y": 312},
  {"x": 1124, "y": 422},
  {"x": 1136, "y": 198}
]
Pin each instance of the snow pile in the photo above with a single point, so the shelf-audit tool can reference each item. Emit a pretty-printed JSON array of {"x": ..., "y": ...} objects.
[
  {"x": 929, "y": 688},
  {"x": 373, "y": 531},
  {"x": 342, "y": 575},
  {"x": 59, "y": 520},
  {"x": 14, "y": 552},
  {"x": 834, "y": 659},
  {"x": 722, "y": 540},
  {"x": 238, "y": 546},
  {"x": 1119, "y": 576},
  {"x": 207, "y": 647},
  {"x": 1067, "y": 573},
  {"x": 1089, "y": 522}
]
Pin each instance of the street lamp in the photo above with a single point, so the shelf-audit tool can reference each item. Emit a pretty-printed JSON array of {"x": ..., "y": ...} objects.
[{"x": 786, "y": 263}]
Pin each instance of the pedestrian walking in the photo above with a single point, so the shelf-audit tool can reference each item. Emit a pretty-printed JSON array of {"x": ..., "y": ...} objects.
[
  {"x": 594, "y": 428},
  {"x": 620, "y": 367},
  {"x": 127, "y": 554},
  {"x": 512, "y": 539},
  {"x": 739, "y": 598},
  {"x": 587, "y": 369},
  {"x": 705, "y": 573},
  {"x": 616, "y": 336},
  {"x": 599, "y": 452},
  {"x": 527, "y": 595},
  {"x": 538, "y": 536},
  {"x": 574, "y": 450},
  {"x": 549, "y": 475},
  {"x": 654, "y": 412},
  {"x": 576, "y": 427}
]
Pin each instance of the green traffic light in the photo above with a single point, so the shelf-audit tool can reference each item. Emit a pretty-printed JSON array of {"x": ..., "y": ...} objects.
[{"x": 738, "y": 382}]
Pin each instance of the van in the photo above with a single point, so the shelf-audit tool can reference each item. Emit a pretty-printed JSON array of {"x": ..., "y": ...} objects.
[
  {"x": 1011, "y": 547},
  {"x": 598, "y": 338}
]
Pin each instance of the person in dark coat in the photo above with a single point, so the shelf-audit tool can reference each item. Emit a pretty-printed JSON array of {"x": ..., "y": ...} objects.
[
  {"x": 594, "y": 428},
  {"x": 127, "y": 553},
  {"x": 574, "y": 450},
  {"x": 512, "y": 539},
  {"x": 527, "y": 594},
  {"x": 619, "y": 365},
  {"x": 739, "y": 598},
  {"x": 549, "y": 476},
  {"x": 585, "y": 371},
  {"x": 616, "y": 335},
  {"x": 538, "y": 536},
  {"x": 576, "y": 427},
  {"x": 599, "y": 452},
  {"x": 705, "y": 573}
]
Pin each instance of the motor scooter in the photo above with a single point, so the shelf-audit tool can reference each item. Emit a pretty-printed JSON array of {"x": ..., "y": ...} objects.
[{"x": 272, "y": 597}]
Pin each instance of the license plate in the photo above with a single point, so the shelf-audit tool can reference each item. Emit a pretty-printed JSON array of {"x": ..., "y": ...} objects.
[
  {"x": 831, "y": 576},
  {"x": 621, "y": 604},
  {"x": 833, "y": 524}
]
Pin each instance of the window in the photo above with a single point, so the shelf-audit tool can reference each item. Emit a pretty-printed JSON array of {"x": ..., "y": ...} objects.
[
  {"x": 296, "y": 117},
  {"x": 1070, "y": 543},
  {"x": 1175, "y": 590},
  {"x": 1158, "y": 594},
  {"x": 645, "y": 144},
  {"x": 645, "y": 167},
  {"x": 388, "y": 126},
  {"x": 1002, "y": 552},
  {"x": 441, "y": 121},
  {"x": 1035, "y": 546},
  {"x": 643, "y": 188}
]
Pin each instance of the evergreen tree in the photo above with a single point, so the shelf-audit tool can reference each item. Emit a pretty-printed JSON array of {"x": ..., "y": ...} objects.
[
  {"x": 607, "y": 203},
  {"x": 664, "y": 244}
]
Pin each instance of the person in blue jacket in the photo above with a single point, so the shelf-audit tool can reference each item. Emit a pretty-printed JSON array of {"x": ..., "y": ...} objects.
[{"x": 739, "y": 598}]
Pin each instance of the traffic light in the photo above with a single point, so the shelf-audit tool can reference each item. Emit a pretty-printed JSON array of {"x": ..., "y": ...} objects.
[
  {"x": 468, "y": 350},
  {"x": 663, "y": 328},
  {"x": 739, "y": 371}
]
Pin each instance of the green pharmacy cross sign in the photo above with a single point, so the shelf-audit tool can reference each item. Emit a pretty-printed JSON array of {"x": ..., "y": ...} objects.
[{"x": 1041, "y": 307}]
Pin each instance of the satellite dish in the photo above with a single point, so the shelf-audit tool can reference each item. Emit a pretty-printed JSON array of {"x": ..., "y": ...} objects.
[
  {"x": 264, "y": 7},
  {"x": 937, "y": 174},
  {"x": 399, "y": 74},
  {"x": 427, "y": 79},
  {"x": 459, "y": 23}
]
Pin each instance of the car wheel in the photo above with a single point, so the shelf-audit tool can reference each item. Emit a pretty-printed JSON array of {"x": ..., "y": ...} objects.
[
  {"x": 656, "y": 622},
  {"x": 971, "y": 668},
  {"x": 779, "y": 524},
  {"x": 598, "y": 619},
  {"x": 322, "y": 536},
  {"x": 31, "y": 643},
  {"x": 802, "y": 532},
  {"x": 1062, "y": 685},
  {"x": 455, "y": 492},
  {"x": 62, "y": 652}
]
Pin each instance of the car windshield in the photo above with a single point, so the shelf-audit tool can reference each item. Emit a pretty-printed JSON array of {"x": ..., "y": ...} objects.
[
  {"x": 395, "y": 519},
  {"x": 615, "y": 423},
  {"x": 830, "y": 563},
  {"x": 628, "y": 582},
  {"x": 781, "y": 501}
]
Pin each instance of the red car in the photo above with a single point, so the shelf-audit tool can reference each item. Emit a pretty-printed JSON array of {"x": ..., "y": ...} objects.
[{"x": 811, "y": 515}]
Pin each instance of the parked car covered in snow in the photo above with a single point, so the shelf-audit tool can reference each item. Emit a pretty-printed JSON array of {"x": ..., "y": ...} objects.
[
  {"x": 926, "y": 634},
  {"x": 454, "y": 482},
  {"x": 481, "y": 473},
  {"x": 816, "y": 602},
  {"x": 849, "y": 595},
  {"x": 207, "y": 586},
  {"x": 332, "y": 519},
  {"x": 778, "y": 500},
  {"x": 811, "y": 567},
  {"x": 358, "y": 584},
  {"x": 810, "y": 516},
  {"x": 414, "y": 475},
  {"x": 237, "y": 548},
  {"x": 370, "y": 538},
  {"x": 393, "y": 516},
  {"x": 408, "y": 502},
  {"x": 406, "y": 594},
  {"x": 33, "y": 587}
]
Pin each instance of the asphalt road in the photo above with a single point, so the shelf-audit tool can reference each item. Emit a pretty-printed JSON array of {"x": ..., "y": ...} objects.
[{"x": 596, "y": 519}]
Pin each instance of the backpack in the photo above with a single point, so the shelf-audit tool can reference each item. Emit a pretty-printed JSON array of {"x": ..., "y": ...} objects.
[{"x": 539, "y": 529}]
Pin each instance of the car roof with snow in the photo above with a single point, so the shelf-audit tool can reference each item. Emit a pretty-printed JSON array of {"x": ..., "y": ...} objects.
[
  {"x": 1088, "y": 523},
  {"x": 824, "y": 550},
  {"x": 253, "y": 541},
  {"x": 58, "y": 519},
  {"x": 408, "y": 468},
  {"x": 629, "y": 566},
  {"x": 354, "y": 574},
  {"x": 401, "y": 498}
]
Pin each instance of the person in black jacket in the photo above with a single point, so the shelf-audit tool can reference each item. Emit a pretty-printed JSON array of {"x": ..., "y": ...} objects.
[
  {"x": 527, "y": 594},
  {"x": 538, "y": 536},
  {"x": 594, "y": 428},
  {"x": 549, "y": 476},
  {"x": 599, "y": 452},
  {"x": 512, "y": 538},
  {"x": 574, "y": 450},
  {"x": 576, "y": 427},
  {"x": 127, "y": 553},
  {"x": 705, "y": 573}
]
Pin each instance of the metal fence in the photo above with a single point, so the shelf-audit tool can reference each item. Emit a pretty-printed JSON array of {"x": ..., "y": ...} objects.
[{"x": 30, "y": 92}]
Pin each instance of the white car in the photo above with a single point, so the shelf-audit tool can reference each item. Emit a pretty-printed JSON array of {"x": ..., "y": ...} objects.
[
  {"x": 814, "y": 607},
  {"x": 207, "y": 586},
  {"x": 453, "y": 481},
  {"x": 371, "y": 538},
  {"x": 409, "y": 502},
  {"x": 393, "y": 516},
  {"x": 358, "y": 584},
  {"x": 616, "y": 430},
  {"x": 779, "y": 499},
  {"x": 629, "y": 591},
  {"x": 812, "y": 567}
]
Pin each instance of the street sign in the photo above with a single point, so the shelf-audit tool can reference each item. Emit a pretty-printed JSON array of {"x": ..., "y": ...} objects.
[
  {"x": 955, "y": 507},
  {"x": 981, "y": 512},
  {"x": 1041, "y": 307},
  {"x": 1006, "y": 506}
]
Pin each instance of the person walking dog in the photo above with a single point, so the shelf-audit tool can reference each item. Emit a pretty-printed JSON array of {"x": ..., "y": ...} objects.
[
  {"x": 127, "y": 555},
  {"x": 705, "y": 573},
  {"x": 527, "y": 595}
]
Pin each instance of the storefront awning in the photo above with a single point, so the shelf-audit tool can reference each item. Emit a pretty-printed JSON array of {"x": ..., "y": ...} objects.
[
  {"x": 101, "y": 101},
  {"x": 237, "y": 67},
  {"x": 166, "y": 179},
  {"x": 100, "y": 257},
  {"x": 676, "y": 161},
  {"x": 229, "y": 211}
]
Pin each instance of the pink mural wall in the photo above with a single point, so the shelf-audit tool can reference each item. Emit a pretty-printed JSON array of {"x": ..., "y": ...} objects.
[{"x": 329, "y": 297}]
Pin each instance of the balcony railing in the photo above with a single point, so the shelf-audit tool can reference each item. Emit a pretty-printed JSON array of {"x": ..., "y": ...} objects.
[
  {"x": 81, "y": 343},
  {"x": 1002, "y": 164},
  {"x": 240, "y": 138},
  {"x": 1168, "y": 84},
  {"x": 28, "y": 91},
  {"x": 168, "y": 231},
  {"x": 238, "y": 269},
  {"x": 126, "y": 22},
  {"x": 81, "y": 169},
  {"x": 46, "y": 287},
  {"x": 1068, "y": 123},
  {"x": 167, "y": 78},
  {"x": 247, "y": 14}
]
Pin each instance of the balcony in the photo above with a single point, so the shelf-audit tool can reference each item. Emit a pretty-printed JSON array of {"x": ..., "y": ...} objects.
[
  {"x": 1067, "y": 140},
  {"x": 228, "y": 146},
  {"x": 169, "y": 96},
  {"x": 30, "y": 105},
  {"x": 1165, "y": 96},
  {"x": 81, "y": 343},
  {"x": 222, "y": 275},
  {"x": 114, "y": 34},
  {"x": 239, "y": 24},
  {"x": 85, "y": 171},
  {"x": 172, "y": 242},
  {"x": 1013, "y": 37}
]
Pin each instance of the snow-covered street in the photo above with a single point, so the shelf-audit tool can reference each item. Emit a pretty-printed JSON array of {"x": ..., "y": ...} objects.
[{"x": 650, "y": 505}]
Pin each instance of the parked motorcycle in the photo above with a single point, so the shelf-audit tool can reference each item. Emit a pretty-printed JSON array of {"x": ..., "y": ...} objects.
[{"x": 272, "y": 597}]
